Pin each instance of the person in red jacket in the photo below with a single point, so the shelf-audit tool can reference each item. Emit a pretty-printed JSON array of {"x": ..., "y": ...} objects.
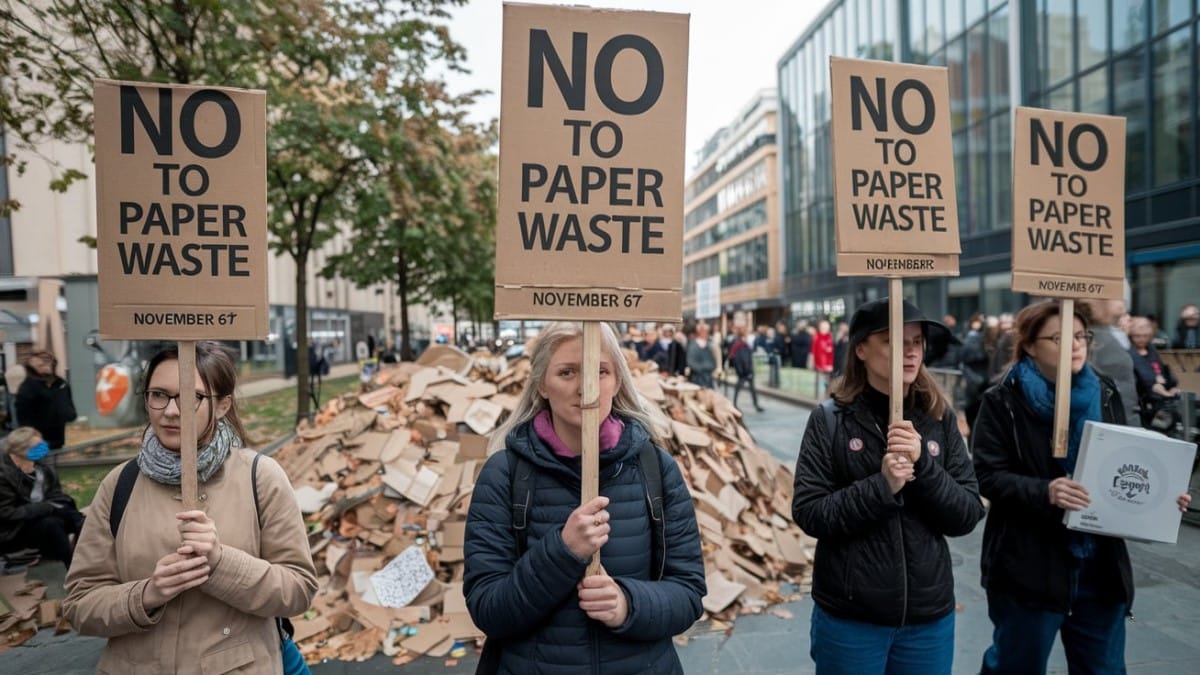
[{"x": 822, "y": 351}]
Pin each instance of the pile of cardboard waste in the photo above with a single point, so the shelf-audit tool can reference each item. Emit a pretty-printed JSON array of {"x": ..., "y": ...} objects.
[
  {"x": 24, "y": 609},
  {"x": 385, "y": 479}
]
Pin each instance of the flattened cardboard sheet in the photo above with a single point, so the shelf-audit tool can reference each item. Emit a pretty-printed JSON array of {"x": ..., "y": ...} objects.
[
  {"x": 592, "y": 112},
  {"x": 181, "y": 208},
  {"x": 896, "y": 209},
  {"x": 1068, "y": 204}
]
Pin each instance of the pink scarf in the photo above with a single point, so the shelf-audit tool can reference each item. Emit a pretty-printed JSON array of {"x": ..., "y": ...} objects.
[{"x": 543, "y": 426}]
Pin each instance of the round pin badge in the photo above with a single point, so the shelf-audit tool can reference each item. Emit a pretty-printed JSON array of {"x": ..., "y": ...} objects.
[
  {"x": 934, "y": 449},
  {"x": 856, "y": 445}
]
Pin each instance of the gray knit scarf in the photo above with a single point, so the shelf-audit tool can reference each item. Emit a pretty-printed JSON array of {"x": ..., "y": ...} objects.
[{"x": 164, "y": 466}]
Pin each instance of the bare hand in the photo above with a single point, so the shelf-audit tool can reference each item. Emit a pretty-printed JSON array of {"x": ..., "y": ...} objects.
[
  {"x": 199, "y": 536},
  {"x": 603, "y": 600},
  {"x": 1069, "y": 495},
  {"x": 902, "y": 437},
  {"x": 1183, "y": 501},
  {"x": 586, "y": 530},
  {"x": 897, "y": 469},
  {"x": 174, "y": 573}
]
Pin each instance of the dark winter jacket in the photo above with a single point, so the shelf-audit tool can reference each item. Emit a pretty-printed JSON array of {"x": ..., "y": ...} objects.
[
  {"x": 531, "y": 607},
  {"x": 671, "y": 360},
  {"x": 46, "y": 407},
  {"x": 1025, "y": 544},
  {"x": 882, "y": 558},
  {"x": 741, "y": 358},
  {"x": 801, "y": 347},
  {"x": 15, "y": 505}
]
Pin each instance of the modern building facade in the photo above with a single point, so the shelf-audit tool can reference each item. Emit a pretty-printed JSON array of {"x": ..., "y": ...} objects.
[
  {"x": 731, "y": 221},
  {"x": 1133, "y": 58}
]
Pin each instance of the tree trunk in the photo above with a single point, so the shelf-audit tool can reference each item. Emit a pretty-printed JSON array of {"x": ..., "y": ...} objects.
[
  {"x": 302, "y": 388},
  {"x": 406, "y": 350}
]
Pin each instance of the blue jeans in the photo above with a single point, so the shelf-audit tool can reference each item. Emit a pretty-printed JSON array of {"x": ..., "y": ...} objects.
[
  {"x": 843, "y": 646},
  {"x": 1093, "y": 634}
]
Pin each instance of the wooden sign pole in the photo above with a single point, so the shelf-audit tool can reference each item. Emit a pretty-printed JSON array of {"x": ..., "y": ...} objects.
[
  {"x": 896, "y": 346},
  {"x": 1062, "y": 382},
  {"x": 187, "y": 424},
  {"x": 591, "y": 422}
]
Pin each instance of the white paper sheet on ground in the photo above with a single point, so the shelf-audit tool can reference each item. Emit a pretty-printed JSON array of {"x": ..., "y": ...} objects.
[
  {"x": 311, "y": 499},
  {"x": 402, "y": 579}
]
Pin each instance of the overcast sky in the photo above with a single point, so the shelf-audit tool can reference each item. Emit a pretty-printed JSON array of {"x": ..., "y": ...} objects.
[{"x": 735, "y": 45}]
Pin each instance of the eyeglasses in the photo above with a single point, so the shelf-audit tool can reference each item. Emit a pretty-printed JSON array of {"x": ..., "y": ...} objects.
[
  {"x": 159, "y": 400},
  {"x": 1083, "y": 336}
]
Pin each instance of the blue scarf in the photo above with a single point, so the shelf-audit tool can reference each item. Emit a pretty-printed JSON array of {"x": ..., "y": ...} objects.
[
  {"x": 1085, "y": 402},
  {"x": 1085, "y": 405}
]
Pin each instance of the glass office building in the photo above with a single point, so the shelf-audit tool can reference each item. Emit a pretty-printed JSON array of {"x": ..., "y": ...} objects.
[{"x": 1134, "y": 58}]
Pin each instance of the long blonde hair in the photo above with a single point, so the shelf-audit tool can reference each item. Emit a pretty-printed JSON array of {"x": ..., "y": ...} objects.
[{"x": 625, "y": 402}]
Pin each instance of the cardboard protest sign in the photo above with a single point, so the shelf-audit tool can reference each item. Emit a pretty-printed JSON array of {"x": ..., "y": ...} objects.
[
  {"x": 893, "y": 162},
  {"x": 182, "y": 211},
  {"x": 592, "y": 111},
  {"x": 1068, "y": 204}
]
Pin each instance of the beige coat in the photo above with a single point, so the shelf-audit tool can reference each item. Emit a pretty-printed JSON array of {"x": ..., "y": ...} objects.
[{"x": 226, "y": 625}]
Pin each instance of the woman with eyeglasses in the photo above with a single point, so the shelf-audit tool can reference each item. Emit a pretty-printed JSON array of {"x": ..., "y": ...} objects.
[
  {"x": 195, "y": 591},
  {"x": 1042, "y": 579}
]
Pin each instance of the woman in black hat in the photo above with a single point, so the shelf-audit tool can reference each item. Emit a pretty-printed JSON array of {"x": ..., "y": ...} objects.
[{"x": 880, "y": 499}]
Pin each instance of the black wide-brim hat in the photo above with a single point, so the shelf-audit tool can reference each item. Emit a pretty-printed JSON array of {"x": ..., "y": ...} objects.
[{"x": 872, "y": 317}]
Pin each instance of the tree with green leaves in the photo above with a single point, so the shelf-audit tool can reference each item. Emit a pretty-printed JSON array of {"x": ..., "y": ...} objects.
[
  {"x": 426, "y": 222},
  {"x": 329, "y": 67}
]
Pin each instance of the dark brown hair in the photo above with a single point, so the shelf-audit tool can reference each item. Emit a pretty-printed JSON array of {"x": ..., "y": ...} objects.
[
  {"x": 1029, "y": 323},
  {"x": 924, "y": 394},
  {"x": 217, "y": 374}
]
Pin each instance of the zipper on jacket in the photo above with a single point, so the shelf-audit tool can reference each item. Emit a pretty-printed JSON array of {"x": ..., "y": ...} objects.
[
  {"x": 904, "y": 572},
  {"x": 594, "y": 643},
  {"x": 903, "y": 557}
]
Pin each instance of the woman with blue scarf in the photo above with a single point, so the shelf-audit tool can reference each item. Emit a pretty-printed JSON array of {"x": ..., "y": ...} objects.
[{"x": 1041, "y": 578}]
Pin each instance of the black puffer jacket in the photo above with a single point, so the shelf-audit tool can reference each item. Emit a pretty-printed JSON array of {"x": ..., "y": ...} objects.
[
  {"x": 531, "y": 605},
  {"x": 15, "y": 489},
  {"x": 882, "y": 558},
  {"x": 46, "y": 407},
  {"x": 1025, "y": 549}
]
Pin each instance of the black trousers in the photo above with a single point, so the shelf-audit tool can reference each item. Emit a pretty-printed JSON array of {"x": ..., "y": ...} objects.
[
  {"x": 49, "y": 534},
  {"x": 753, "y": 392}
]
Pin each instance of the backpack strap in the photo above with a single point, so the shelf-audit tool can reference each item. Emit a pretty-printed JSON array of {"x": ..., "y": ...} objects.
[
  {"x": 520, "y": 477},
  {"x": 828, "y": 410},
  {"x": 828, "y": 406},
  {"x": 652, "y": 477},
  {"x": 120, "y": 497},
  {"x": 254, "y": 487}
]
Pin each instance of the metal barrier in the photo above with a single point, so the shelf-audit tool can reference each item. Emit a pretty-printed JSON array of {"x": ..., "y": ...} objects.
[{"x": 951, "y": 382}]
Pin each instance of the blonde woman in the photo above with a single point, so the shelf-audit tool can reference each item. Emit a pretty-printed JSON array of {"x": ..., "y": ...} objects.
[{"x": 526, "y": 582}]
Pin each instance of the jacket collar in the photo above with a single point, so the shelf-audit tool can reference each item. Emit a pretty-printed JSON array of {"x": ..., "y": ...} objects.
[{"x": 524, "y": 441}]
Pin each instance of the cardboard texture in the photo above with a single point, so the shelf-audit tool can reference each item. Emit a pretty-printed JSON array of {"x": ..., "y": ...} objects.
[
  {"x": 1068, "y": 204},
  {"x": 411, "y": 520},
  {"x": 1134, "y": 477},
  {"x": 590, "y": 220},
  {"x": 181, "y": 204},
  {"x": 894, "y": 192}
]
